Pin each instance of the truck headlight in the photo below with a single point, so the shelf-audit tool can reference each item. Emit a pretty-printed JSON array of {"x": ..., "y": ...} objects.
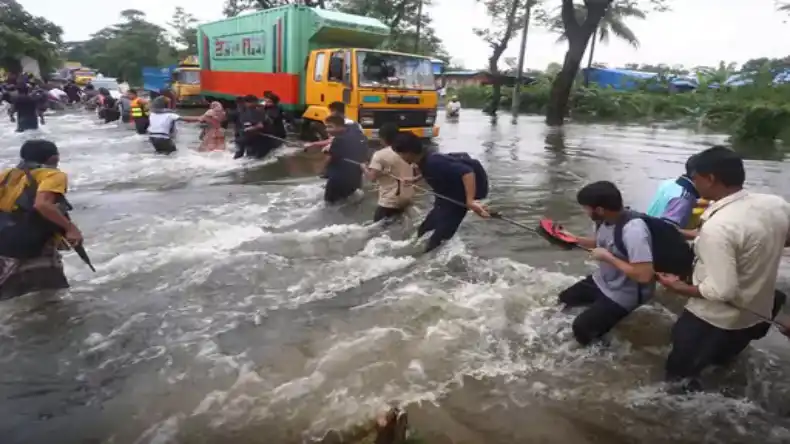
[
  {"x": 429, "y": 120},
  {"x": 366, "y": 121}
]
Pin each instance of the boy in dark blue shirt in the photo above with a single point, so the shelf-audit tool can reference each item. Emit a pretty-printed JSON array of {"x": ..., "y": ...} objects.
[
  {"x": 344, "y": 177},
  {"x": 449, "y": 178}
]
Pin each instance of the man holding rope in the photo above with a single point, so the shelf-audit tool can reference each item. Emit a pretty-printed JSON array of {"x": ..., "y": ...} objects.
[
  {"x": 393, "y": 175},
  {"x": 457, "y": 180},
  {"x": 739, "y": 247}
]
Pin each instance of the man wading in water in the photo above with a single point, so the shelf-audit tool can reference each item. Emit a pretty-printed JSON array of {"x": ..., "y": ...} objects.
[
  {"x": 33, "y": 214},
  {"x": 162, "y": 125},
  {"x": 344, "y": 178},
  {"x": 454, "y": 176},
  {"x": 740, "y": 245},
  {"x": 26, "y": 108},
  {"x": 624, "y": 279},
  {"x": 395, "y": 196}
]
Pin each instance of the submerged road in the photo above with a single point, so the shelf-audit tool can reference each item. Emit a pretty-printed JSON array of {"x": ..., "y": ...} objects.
[{"x": 230, "y": 305}]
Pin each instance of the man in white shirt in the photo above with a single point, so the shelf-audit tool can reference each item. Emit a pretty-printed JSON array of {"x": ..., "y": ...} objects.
[
  {"x": 162, "y": 126},
  {"x": 738, "y": 250}
]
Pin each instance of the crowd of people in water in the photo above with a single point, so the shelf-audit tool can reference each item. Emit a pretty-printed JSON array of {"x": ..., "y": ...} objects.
[{"x": 725, "y": 263}]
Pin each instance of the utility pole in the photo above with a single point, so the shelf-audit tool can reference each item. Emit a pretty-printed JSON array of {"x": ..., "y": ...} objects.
[
  {"x": 521, "y": 53},
  {"x": 419, "y": 28}
]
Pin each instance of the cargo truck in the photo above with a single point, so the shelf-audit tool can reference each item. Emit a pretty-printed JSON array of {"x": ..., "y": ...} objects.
[
  {"x": 182, "y": 79},
  {"x": 312, "y": 57}
]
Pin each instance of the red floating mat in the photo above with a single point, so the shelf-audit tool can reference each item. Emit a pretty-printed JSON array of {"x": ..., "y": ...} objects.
[{"x": 555, "y": 234}]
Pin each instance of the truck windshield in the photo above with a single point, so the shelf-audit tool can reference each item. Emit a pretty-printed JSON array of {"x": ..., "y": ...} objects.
[
  {"x": 189, "y": 77},
  {"x": 378, "y": 69}
]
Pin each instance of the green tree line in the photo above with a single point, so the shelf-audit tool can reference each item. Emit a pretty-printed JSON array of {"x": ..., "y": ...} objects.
[{"x": 124, "y": 48}]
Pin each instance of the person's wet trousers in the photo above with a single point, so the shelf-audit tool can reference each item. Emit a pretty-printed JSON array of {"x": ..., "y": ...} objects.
[
  {"x": 444, "y": 220},
  {"x": 601, "y": 315},
  {"x": 697, "y": 344},
  {"x": 141, "y": 124}
]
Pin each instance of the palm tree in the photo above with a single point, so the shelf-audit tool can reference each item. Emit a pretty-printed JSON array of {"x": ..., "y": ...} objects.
[
  {"x": 613, "y": 23},
  {"x": 784, "y": 7}
]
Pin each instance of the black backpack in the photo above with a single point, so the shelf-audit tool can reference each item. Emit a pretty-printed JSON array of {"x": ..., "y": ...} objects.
[
  {"x": 671, "y": 252},
  {"x": 481, "y": 177}
]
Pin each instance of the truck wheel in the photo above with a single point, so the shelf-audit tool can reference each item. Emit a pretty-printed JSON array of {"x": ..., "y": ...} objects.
[{"x": 312, "y": 131}]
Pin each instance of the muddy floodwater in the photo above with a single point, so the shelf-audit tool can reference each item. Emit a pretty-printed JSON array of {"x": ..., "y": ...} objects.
[{"x": 231, "y": 306}]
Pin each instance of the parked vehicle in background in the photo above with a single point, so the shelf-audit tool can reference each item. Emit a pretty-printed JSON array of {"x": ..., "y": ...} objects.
[
  {"x": 312, "y": 57},
  {"x": 83, "y": 76},
  {"x": 182, "y": 79},
  {"x": 111, "y": 84}
]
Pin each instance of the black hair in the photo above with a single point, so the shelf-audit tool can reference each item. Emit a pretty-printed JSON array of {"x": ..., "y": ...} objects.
[
  {"x": 249, "y": 98},
  {"x": 407, "y": 143},
  {"x": 388, "y": 132},
  {"x": 38, "y": 150},
  {"x": 336, "y": 120},
  {"x": 239, "y": 99},
  {"x": 272, "y": 96},
  {"x": 131, "y": 90},
  {"x": 602, "y": 194},
  {"x": 722, "y": 163},
  {"x": 691, "y": 165},
  {"x": 338, "y": 107}
]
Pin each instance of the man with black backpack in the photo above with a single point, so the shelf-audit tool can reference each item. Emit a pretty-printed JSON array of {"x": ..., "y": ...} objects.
[
  {"x": 458, "y": 181},
  {"x": 630, "y": 247}
]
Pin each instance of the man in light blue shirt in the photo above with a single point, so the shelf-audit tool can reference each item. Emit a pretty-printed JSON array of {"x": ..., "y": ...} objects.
[{"x": 676, "y": 199}]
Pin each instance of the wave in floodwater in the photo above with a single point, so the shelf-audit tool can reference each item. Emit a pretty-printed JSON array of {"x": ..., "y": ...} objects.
[{"x": 230, "y": 304}]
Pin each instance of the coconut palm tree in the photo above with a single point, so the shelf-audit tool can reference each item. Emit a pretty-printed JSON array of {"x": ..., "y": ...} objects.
[{"x": 613, "y": 23}]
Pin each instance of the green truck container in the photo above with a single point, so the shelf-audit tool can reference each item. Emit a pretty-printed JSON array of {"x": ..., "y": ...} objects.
[
  {"x": 267, "y": 50},
  {"x": 294, "y": 50}
]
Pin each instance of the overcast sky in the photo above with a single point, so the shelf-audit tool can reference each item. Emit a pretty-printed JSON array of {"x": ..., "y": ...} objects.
[{"x": 696, "y": 32}]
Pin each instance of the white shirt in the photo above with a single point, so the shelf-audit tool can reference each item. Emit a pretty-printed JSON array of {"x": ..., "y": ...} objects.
[
  {"x": 738, "y": 252},
  {"x": 57, "y": 93},
  {"x": 162, "y": 125},
  {"x": 351, "y": 122}
]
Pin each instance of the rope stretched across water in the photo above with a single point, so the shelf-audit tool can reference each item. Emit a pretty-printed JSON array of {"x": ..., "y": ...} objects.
[{"x": 497, "y": 215}]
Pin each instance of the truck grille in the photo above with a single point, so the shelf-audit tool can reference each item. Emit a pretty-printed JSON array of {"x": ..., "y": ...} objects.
[{"x": 405, "y": 118}]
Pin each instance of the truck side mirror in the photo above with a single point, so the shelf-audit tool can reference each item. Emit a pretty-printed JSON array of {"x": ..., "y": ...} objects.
[{"x": 336, "y": 69}]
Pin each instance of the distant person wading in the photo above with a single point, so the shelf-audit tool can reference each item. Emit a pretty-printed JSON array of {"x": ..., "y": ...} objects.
[{"x": 139, "y": 112}]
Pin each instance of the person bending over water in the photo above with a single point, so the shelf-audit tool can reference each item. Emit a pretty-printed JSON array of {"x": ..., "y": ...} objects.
[
  {"x": 624, "y": 280},
  {"x": 34, "y": 221},
  {"x": 454, "y": 176},
  {"x": 108, "y": 106}
]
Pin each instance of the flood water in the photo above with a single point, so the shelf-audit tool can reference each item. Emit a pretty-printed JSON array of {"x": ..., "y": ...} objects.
[{"x": 230, "y": 305}]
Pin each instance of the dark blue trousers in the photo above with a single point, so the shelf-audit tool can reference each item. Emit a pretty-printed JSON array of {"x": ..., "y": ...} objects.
[{"x": 444, "y": 220}]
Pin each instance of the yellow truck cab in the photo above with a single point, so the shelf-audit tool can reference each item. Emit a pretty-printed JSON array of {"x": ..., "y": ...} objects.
[
  {"x": 377, "y": 87},
  {"x": 186, "y": 82},
  {"x": 311, "y": 57}
]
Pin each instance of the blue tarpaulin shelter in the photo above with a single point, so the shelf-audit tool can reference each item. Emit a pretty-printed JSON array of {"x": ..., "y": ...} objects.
[
  {"x": 626, "y": 79},
  {"x": 156, "y": 78}
]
